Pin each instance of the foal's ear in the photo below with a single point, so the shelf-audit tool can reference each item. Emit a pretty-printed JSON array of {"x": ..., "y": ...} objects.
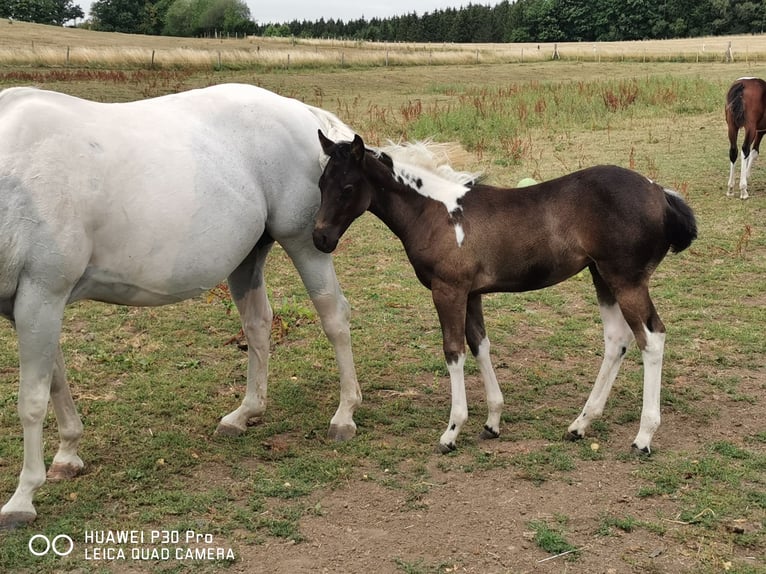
[
  {"x": 357, "y": 148},
  {"x": 326, "y": 142}
]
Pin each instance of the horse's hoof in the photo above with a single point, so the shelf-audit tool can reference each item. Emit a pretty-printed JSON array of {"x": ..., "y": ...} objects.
[
  {"x": 229, "y": 430},
  {"x": 489, "y": 433},
  {"x": 573, "y": 436},
  {"x": 63, "y": 471},
  {"x": 446, "y": 448},
  {"x": 15, "y": 519},
  {"x": 341, "y": 433},
  {"x": 745, "y": 196},
  {"x": 645, "y": 451}
]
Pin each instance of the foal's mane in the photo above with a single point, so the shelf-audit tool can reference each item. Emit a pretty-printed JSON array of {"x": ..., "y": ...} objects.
[{"x": 433, "y": 157}]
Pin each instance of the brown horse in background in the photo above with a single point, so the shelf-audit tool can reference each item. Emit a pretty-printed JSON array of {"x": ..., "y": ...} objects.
[{"x": 745, "y": 108}]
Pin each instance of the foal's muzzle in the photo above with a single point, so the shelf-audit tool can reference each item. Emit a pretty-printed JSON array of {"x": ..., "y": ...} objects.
[{"x": 324, "y": 239}]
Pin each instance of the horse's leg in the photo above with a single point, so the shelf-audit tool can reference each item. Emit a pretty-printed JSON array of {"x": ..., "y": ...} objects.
[
  {"x": 318, "y": 275},
  {"x": 248, "y": 290},
  {"x": 754, "y": 153},
  {"x": 649, "y": 333},
  {"x": 733, "y": 152},
  {"x": 451, "y": 307},
  {"x": 478, "y": 342},
  {"x": 66, "y": 464},
  {"x": 747, "y": 158},
  {"x": 38, "y": 315},
  {"x": 617, "y": 338}
]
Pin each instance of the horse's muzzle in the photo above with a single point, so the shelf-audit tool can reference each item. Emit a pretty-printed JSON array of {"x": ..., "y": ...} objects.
[{"x": 323, "y": 240}]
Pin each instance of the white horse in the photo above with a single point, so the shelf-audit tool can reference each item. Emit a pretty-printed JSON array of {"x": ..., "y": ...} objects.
[{"x": 150, "y": 203}]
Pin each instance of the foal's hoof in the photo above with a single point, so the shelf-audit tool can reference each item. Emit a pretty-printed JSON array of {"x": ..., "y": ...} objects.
[
  {"x": 15, "y": 519},
  {"x": 489, "y": 433},
  {"x": 446, "y": 448},
  {"x": 635, "y": 450},
  {"x": 341, "y": 433},
  {"x": 229, "y": 430},
  {"x": 63, "y": 471},
  {"x": 573, "y": 436}
]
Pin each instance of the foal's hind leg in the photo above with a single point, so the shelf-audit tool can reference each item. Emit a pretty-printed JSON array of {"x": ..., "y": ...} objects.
[
  {"x": 478, "y": 342},
  {"x": 66, "y": 464},
  {"x": 248, "y": 291},
  {"x": 649, "y": 332},
  {"x": 617, "y": 338}
]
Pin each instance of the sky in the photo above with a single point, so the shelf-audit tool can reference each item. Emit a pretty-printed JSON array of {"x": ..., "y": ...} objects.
[{"x": 288, "y": 10}]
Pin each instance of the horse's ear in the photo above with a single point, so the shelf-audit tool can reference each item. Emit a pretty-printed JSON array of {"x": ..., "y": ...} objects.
[
  {"x": 357, "y": 148},
  {"x": 326, "y": 142}
]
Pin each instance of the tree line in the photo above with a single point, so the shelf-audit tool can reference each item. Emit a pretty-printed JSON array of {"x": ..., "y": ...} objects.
[
  {"x": 547, "y": 21},
  {"x": 519, "y": 21}
]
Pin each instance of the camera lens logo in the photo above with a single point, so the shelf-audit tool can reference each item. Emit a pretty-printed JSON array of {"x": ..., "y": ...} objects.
[{"x": 41, "y": 545}]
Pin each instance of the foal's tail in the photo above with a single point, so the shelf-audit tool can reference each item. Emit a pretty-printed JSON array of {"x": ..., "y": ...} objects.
[
  {"x": 680, "y": 223},
  {"x": 735, "y": 105}
]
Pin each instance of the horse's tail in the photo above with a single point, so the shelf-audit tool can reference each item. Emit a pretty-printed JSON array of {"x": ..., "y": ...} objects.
[
  {"x": 735, "y": 103},
  {"x": 680, "y": 223}
]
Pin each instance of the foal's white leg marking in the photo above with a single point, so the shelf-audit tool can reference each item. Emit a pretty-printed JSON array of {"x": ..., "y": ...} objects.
[
  {"x": 38, "y": 324},
  {"x": 650, "y": 411},
  {"x": 617, "y": 338},
  {"x": 256, "y": 314},
  {"x": 459, "y": 412},
  {"x": 491, "y": 388},
  {"x": 66, "y": 463}
]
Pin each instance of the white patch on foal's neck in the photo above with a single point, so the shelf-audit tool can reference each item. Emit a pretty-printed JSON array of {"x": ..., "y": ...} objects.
[
  {"x": 431, "y": 184},
  {"x": 418, "y": 167}
]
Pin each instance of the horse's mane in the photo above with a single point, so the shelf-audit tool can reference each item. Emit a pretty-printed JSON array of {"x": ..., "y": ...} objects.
[
  {"x": 333, "y": 127},
  {"x": 425, "y": 167},
  {"x": 435, "y": 157}
]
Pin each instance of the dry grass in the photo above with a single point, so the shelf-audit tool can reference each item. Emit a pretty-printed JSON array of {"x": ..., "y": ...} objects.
[{"x": 37, "y": 45}]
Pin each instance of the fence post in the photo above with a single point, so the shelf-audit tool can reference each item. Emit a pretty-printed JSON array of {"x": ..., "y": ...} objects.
[
  {"x": 67, "y": 55},
  {"x": 151, "y": 66}
]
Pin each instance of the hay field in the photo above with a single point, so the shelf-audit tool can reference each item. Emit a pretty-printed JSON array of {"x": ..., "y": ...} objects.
[{"x": 23, "y": 44}]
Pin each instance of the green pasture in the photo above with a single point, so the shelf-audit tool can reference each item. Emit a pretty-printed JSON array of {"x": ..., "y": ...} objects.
[{"x": 151, "y": 384}]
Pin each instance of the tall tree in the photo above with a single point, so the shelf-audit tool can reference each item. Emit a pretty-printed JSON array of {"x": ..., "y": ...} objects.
[{"x": 56, "y": 12}]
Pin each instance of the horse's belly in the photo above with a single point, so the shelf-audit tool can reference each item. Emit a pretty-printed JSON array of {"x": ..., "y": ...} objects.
[{"x": 98, "y": 287}]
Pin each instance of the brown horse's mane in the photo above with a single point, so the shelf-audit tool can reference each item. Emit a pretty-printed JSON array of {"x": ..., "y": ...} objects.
[{"x": 434, "y": 157}]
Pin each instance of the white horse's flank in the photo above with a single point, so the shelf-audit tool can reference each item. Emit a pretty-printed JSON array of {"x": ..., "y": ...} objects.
[{"x": 149, "y": 203}]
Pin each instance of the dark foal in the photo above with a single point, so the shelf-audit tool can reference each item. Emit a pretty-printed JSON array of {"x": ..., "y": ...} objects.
[
  {"x": 465, "y": 239},
  {"x": 745, "y": 108}
]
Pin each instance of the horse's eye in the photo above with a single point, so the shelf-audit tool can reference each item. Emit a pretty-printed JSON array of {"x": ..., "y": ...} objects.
[{"x": 348, "y": 189}]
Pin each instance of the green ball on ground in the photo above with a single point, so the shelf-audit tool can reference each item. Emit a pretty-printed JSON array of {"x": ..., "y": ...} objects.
[{"x": 526, "y": 182}]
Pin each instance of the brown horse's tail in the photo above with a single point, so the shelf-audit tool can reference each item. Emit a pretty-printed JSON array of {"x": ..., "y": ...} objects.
[
  {"x": 735, "y": 103},
  {"x": 680, "y": 223}
]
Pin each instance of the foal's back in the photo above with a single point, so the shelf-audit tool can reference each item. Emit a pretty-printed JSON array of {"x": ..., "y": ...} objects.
[{"x": 533, "y": 237}]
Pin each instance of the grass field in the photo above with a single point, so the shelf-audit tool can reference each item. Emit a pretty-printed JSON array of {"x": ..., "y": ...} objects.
[{"x": 151, "y": 384}]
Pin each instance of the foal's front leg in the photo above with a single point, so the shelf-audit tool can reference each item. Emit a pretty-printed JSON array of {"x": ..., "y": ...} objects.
[
  {"x": 478, "y": 342},
  {"x": 451, "y": 307}
]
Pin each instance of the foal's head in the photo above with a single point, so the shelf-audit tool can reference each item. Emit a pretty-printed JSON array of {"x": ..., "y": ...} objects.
[{"x": 346, "y": 192}]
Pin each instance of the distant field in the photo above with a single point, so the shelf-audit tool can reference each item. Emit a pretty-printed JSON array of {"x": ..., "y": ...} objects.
[{"x": 38, "y": 45}]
